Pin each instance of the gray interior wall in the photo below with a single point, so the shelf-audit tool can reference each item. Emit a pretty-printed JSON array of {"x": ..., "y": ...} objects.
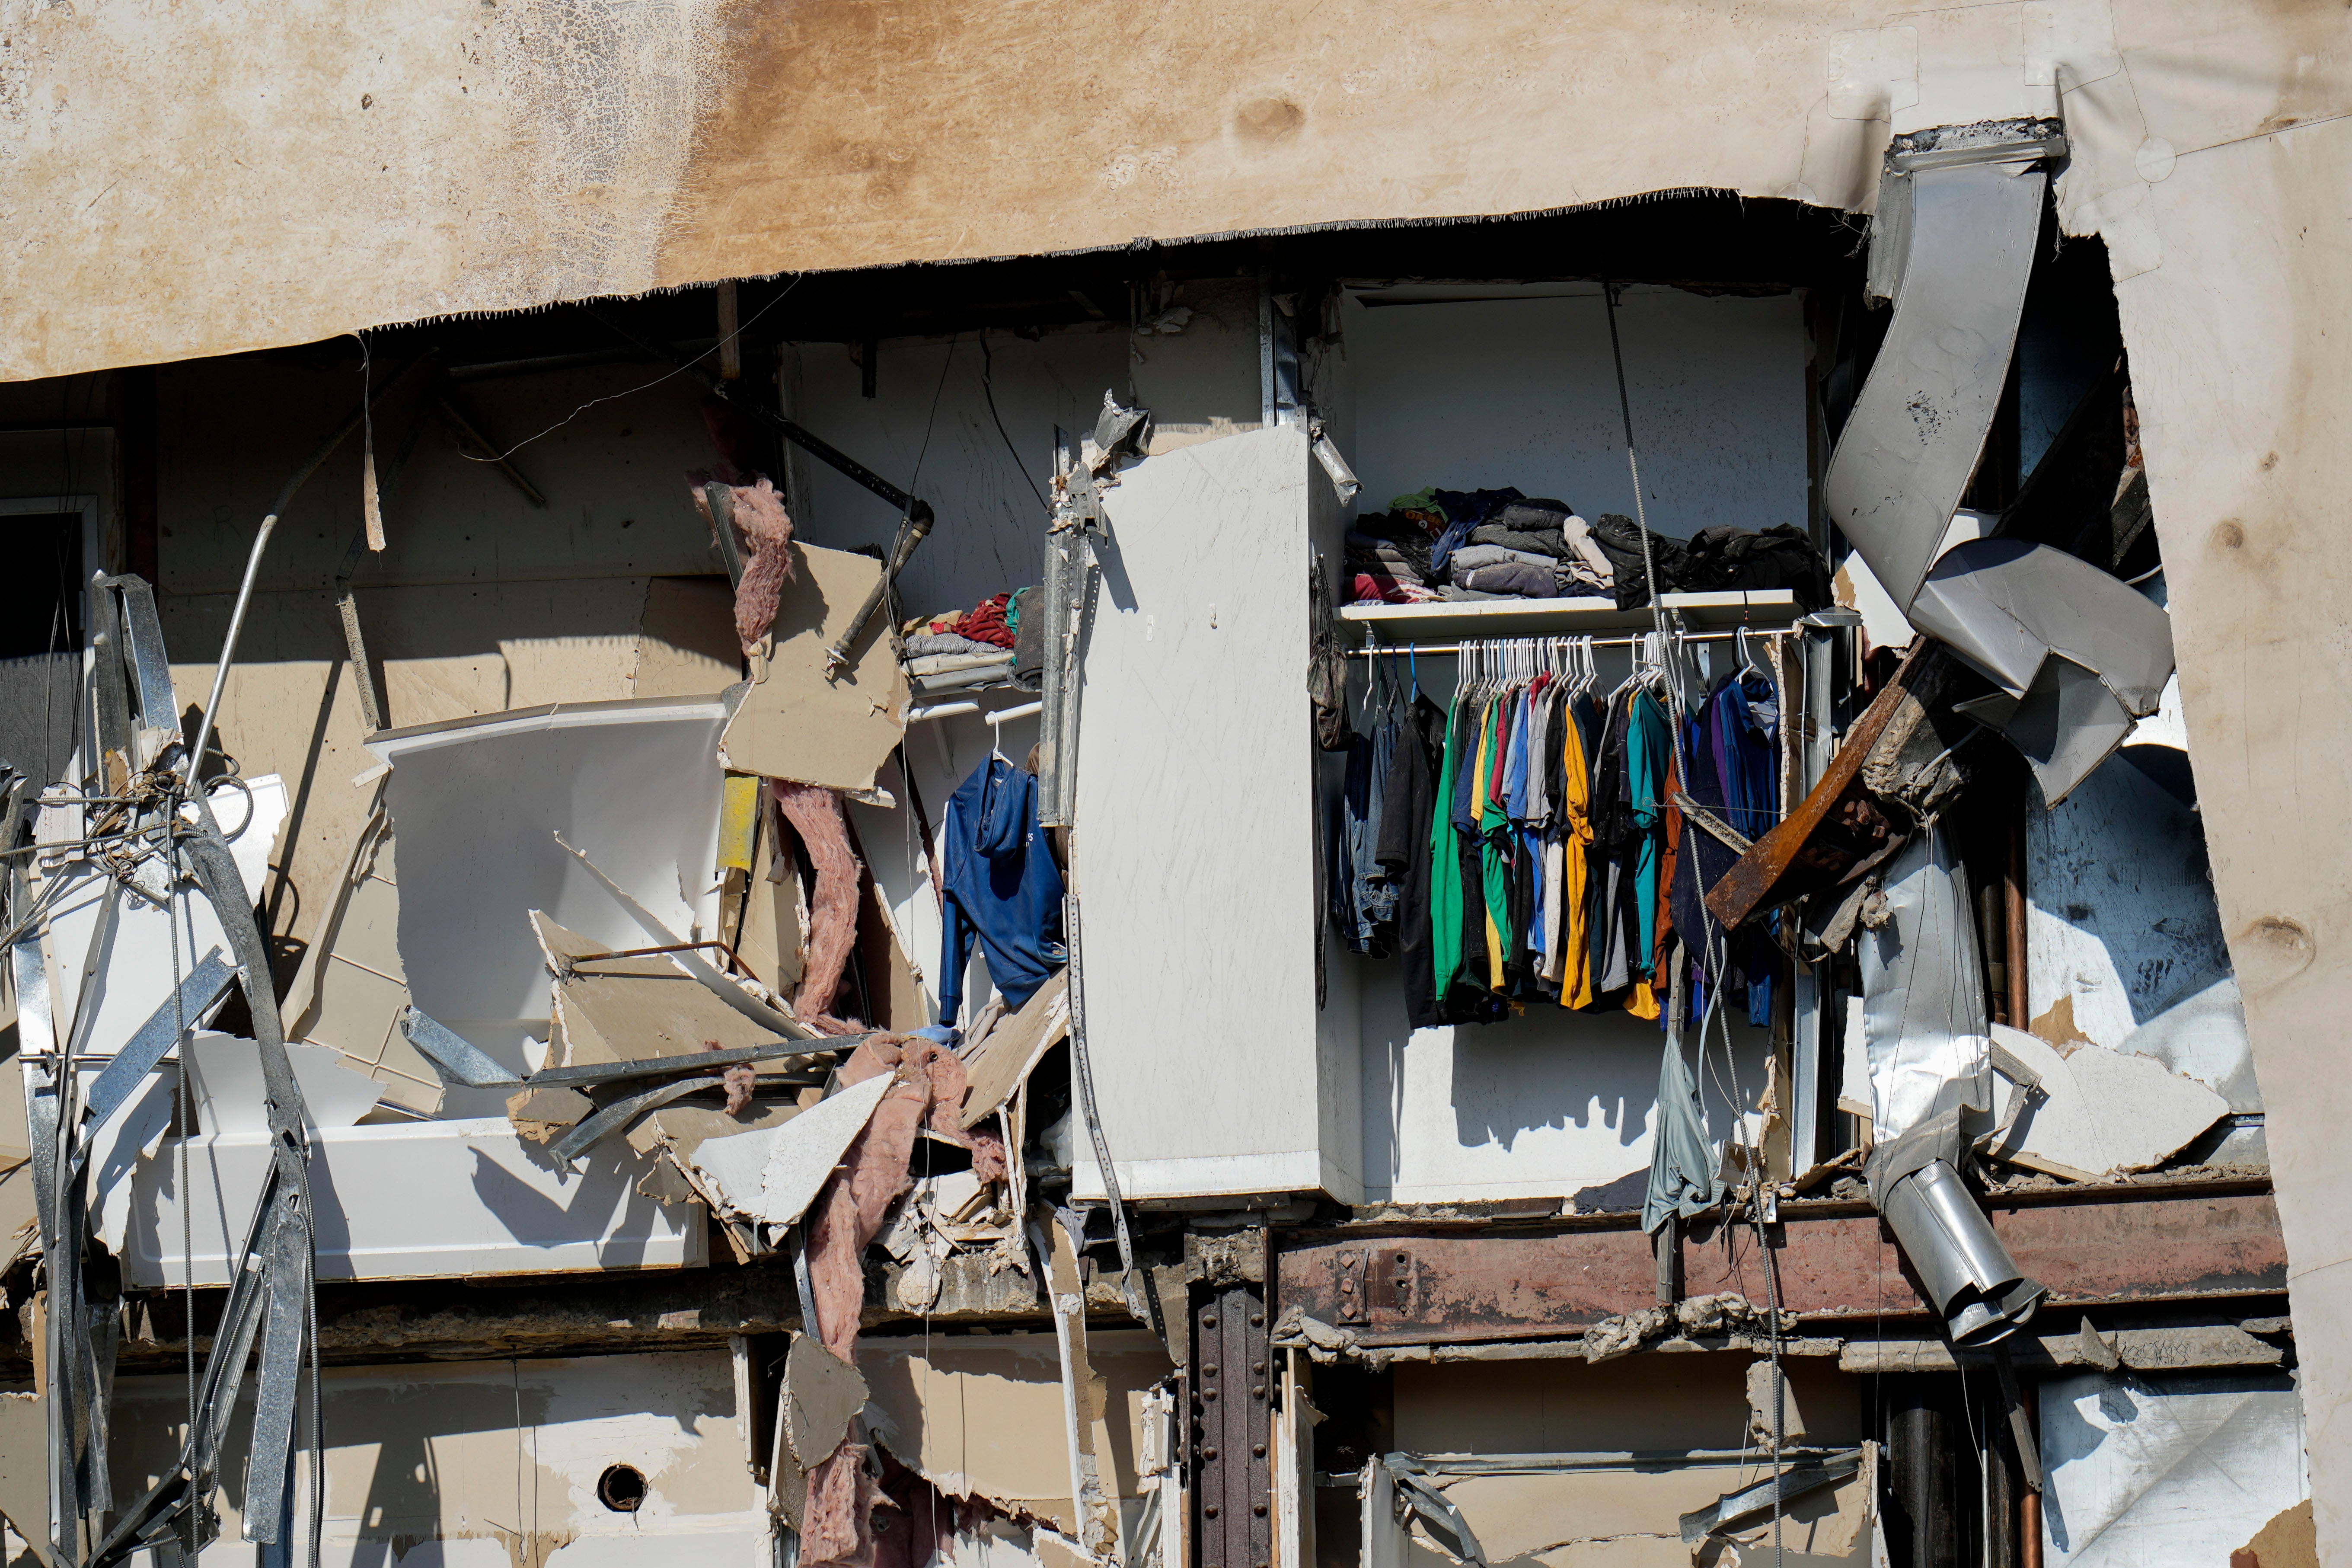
[
  {"x": 928, "y": 427},
  {"x": 1484, "y": 394}
]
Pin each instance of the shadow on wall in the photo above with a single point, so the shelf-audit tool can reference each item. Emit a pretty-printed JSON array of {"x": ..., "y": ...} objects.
[{"x": 1546, "y": 1103}]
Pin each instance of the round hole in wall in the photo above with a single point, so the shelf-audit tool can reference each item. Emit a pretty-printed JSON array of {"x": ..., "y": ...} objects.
[{"x": 621, "y": 1488}]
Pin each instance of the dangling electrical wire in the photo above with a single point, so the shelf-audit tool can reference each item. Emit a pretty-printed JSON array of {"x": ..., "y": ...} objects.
[{"x": 1713, "y": 950}]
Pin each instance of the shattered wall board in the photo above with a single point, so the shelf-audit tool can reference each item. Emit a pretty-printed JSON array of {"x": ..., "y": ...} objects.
[
  {"x": 476, "y": 809},
  {"x": 496, "y": 1464},
  {"x": 980, "y": 1415},
  {"x": 797, "y": 721},
  {"x": 2165, "y": 1469}
]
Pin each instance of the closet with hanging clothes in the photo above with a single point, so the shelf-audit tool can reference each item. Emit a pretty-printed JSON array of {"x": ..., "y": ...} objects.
[{"x": 1531, "y": 841}]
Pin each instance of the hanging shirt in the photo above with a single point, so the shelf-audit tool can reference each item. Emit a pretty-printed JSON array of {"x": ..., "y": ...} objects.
[
  {"x": 1445, "y": 840},
  {"x": 1576, "y": 840},
  {"x": 1649, "y": 745},
  {"x": 1485, "y": 810},
  {"x": 1404, "y": 854},
  {"x": 999, "y": 885}
]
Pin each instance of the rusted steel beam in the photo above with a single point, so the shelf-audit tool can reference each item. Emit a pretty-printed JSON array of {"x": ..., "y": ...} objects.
[{"x": 1444, "y": 1284}]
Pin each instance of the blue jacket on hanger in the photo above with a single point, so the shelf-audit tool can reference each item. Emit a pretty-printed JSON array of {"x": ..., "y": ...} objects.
[{"x": 1001, "y": 886}]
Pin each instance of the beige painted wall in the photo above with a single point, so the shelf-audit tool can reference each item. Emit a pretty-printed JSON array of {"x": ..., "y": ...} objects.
[
  {"x": 481, "y": 603},
  {"x": 497, "y": 1460}
]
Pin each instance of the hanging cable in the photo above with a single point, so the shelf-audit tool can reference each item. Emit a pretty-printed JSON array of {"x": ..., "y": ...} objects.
[{"x": 1714, "y": 957}]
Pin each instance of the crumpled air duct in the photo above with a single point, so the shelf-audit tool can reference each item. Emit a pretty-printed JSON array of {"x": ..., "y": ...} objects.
[
  {"x": 2076, "y": 653},
  {"x": 1929, "y": 1045},
  {"x": 1970, "y": 1275}
]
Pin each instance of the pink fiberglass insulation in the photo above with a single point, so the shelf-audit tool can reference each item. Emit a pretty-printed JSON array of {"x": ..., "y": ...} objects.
[
  {"x": 765, "y": 533},
  {"x": 816, "y": 815},
  {"x": 928, "y": 1089}
]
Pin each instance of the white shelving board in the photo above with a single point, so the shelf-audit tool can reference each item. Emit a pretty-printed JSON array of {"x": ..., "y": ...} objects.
[{"x": 1765, "y": 609}]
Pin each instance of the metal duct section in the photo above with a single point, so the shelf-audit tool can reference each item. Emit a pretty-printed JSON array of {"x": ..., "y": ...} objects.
[
  {"x": 2076, "y": 653},
  {"x": 1968, "y": 1273}
]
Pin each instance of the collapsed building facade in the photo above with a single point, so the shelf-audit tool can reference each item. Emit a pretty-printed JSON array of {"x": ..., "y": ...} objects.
[{"x": 1619, "y": 862}]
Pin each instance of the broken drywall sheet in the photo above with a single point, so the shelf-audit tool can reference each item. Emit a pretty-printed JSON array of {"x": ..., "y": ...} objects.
[
  {"x": 631, "y": 784},
  {"x": 686, "y": 638},
  {"x": 803, "y": 1154},
  {"x": 982, "y": 1415},
  {"x": 128, "y": 960},
  {"x": 406, "y": 1201},
  {"x": 2122, "y": 919},
  {"x": 2157, "y": 1468},
  {"x": 1003, "y": 1060},
  {"x": 2098, "y": 1110},
  {"x": 351, "y": 991},
  {"x": 822, "y": 1395},
  {"x": 797, "y": 723},
  {"x": 2203, "y": 1035},
  {"x": 620, "y": 1010},
  {"x": 769, "y": 1168},
  {"x": 224, "y": 1071},
  {"x": 25, "y": 1470}
]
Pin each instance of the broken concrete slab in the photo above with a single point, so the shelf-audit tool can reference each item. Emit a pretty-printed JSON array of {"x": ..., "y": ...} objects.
[
  {"x": 796, "y": 722},
  {"x": 2099, "y": 1110}
]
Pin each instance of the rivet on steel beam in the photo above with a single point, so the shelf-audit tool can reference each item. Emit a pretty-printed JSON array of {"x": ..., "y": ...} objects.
[
  {"x": 1209, "y": 1510},
  {"x": 1208, "y": 1319},
  {"x": 1208, "y": 1453},
  {"x": 1258, "y": 1370},
  {"x": 1208, "y": 1393},
  {"x": 1258, "y": 1319},
  {"x": 1258, "y": 1451},
  {"x": 1258, "y": 1509},
  {"x": 1258, "y": 1392}
]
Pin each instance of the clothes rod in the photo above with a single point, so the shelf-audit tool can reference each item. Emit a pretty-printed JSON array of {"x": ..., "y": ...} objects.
[{"x": 1399, "y": 650}]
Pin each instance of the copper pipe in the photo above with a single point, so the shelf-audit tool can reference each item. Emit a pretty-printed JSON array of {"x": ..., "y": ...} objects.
[{"x": 2029, "y": 1530}]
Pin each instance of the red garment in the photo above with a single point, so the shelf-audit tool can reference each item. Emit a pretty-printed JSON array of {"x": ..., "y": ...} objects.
[
  {"x": 985, "y": 622},
  {"x": 1373, "y": 585}
]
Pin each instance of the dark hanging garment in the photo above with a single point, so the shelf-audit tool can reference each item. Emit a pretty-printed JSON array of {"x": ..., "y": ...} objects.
[
  {"x": 1352, "y": 813},
  {"x": 1613, "y": 831},
  {"x": 1402, "y": 852},
  {"x": 1705, "y": 858}
]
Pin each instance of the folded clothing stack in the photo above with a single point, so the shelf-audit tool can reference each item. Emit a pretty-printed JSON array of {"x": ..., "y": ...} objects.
[
  {"x": 1500, "y": 544},
  {"x": 992, "y": 626},
  {"x": 1387, "y": 558}
]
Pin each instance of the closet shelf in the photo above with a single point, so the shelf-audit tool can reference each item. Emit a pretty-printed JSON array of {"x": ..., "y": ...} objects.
[{"x": 1763, "y": 608}]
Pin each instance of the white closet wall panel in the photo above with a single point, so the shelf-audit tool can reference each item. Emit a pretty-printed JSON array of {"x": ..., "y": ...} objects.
[{"x": 1196, "y": 848}]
